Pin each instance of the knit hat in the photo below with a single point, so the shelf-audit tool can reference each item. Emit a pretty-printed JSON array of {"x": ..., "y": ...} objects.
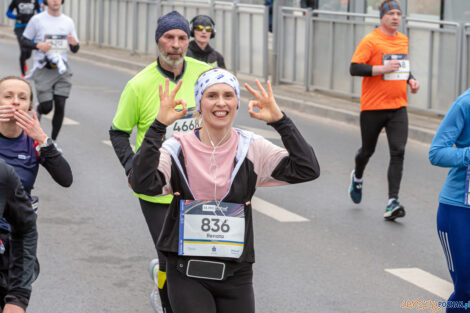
[
  {"x": 172, "y": 20},
  {"x": 203, "y": 20},
  {"x": 388, "y": 5},
  {"x": 212, "y": 77}
]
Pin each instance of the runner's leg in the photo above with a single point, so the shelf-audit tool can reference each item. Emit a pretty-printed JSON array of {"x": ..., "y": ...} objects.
[
  {"x": 61, "y": 87},
  {"x": 397, "y": 135},
  {"x": 236, "y": 294},
  {"x": 188, "y": 295},
  {"x": 371, "y": 123},
  {"x": 45, "y": 107},
  {"x": 58, "y": 118},
  {"x": 19, "y": 33},
  {"x": 154, "y": 214},
  {"x": 454, "y": 234},
  {"x": 44, "y": 80}
]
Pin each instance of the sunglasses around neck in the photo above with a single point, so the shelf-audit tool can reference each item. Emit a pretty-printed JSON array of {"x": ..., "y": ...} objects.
[{"x": 201, "y": 28}]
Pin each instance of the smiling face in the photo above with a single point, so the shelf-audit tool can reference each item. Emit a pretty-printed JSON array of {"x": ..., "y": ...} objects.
[
  {"x": 391, "y": 20},
  {"x": 172, "y": 47},
  {"x": 15, "y": 94},
  {"x": 219, "y": 106}
]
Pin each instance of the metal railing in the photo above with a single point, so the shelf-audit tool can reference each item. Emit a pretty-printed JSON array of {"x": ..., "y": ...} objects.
[
  {"x": 310, "y": 48},
  {"x": 315, "y": 50},
  {"x": 435, "y": 58},
  {"x": 242, "y": 29},
  {"x": 465, "y": 57}
]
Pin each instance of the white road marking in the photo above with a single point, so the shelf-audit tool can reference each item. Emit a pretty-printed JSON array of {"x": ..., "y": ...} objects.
[
  {"x": 275, "y": 212},
  {"x": 268, "y": 134},
  {"x": 108, "y": 143},
  {"x": 427, "y": 281},
  {"x": 67, "y": 121}
]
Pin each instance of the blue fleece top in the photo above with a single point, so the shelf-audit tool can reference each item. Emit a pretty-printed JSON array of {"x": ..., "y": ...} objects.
[{"x": 454, "y": 130}]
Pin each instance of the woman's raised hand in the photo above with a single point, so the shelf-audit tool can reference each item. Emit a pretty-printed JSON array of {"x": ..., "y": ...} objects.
[
  {"x": 268, "y": 109},
  {"x": 167, "y": 114},
  {"x": 30, "y": 125}
]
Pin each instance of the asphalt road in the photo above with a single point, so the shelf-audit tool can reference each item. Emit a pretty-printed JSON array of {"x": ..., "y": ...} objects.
[{"x": 94, "y": 246}]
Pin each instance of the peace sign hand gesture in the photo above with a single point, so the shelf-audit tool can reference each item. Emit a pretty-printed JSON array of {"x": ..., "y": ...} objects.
[
  {"x": 167, "y": 114},
  {"x": 268, "y": 109}
]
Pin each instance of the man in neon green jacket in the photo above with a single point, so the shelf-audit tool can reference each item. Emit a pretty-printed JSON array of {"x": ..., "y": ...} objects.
[{"x": 139, "y": 105}]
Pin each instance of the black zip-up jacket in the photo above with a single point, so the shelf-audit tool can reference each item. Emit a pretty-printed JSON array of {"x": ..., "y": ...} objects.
[
  {"x": 209, "y": 55},
  {"x": 15, "y": 207},
  {"x": 300, "y": 165}
]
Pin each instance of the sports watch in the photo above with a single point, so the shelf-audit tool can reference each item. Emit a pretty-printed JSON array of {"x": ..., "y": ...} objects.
[{"x": 46, "y": 143}]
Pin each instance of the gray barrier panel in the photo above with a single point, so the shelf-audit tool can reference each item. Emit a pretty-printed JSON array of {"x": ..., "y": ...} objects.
[
  {"x": 335, "y": 38},
  {"x": 292, "y": 45},
  {"x": 223, "y": 17},
  {"x": 314, "y": 47},
  {"x": 435, "y": 58},
  {"x": 465, "y": 58},
  {"x": 4, "y": 20},
  {"x": 323, "y": 43}
]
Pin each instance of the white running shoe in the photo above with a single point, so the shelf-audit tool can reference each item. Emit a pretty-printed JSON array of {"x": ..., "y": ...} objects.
[{"x": 155, "y": 295}]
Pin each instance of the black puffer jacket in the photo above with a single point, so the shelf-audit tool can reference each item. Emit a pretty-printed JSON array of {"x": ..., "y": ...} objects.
[{"x": 15, "y": 207}]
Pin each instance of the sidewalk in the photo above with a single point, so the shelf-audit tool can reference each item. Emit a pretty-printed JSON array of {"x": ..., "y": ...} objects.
[{"x": 422, "y": 125}]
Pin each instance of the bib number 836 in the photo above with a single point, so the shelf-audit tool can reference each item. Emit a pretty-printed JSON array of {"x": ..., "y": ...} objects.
[{"x": 213, "y": 224}]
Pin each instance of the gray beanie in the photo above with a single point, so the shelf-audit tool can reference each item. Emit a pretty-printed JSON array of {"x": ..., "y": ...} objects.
[{"x": 172, "y": 20}]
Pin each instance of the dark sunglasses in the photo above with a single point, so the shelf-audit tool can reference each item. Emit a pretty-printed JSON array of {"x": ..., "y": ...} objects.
[{"x": 201, "y": 28}]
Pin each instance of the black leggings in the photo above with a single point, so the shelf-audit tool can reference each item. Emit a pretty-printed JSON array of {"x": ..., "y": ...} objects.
[
  {"x": 154, "y": 214},
  {"x": 396, "y": 126},
  {"x": 59, "y": 112},
  {"x": 192, "y": 295},
  {"x": 25, "y": 53}
]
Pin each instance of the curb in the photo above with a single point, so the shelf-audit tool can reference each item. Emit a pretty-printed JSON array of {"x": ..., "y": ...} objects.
[{"x": 109, "y": 60}]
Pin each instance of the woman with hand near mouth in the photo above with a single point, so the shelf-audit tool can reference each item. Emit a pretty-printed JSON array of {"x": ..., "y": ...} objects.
[
  {"x": 213, "y": 173},
  {"x": 23, "y": 146}
]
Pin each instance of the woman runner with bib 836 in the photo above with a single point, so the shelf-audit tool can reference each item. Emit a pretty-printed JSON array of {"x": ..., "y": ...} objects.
[{"x": 213, "y": 172}]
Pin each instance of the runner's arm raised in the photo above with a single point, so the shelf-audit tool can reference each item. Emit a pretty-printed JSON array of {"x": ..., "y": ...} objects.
[
  {"x": 50, "y": 158},
  {"x": 125, "y": 120},
  {"x": 10, "y": 9},
  {"x": 122, "y": 148},
  {"x": 442, "y": 151},
  {"x": 145, "y": 178},
  {"x": 56, "y": 165}
]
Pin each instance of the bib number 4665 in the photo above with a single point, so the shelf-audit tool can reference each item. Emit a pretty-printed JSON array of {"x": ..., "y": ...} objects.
[{"x": 214, "y": 225}]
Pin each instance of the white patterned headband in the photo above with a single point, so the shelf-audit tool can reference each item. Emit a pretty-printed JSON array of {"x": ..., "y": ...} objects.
[{"x": 212, "y": 77}]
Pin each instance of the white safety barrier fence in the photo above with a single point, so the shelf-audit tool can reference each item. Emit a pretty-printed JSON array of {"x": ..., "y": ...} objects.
[
  {"x": 310, "y": 48},
  {"x": 315, "y": 50},
  {"x": 242, "y": 29}
]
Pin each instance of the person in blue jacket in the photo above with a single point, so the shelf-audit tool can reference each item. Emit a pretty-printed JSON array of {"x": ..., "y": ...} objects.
[
  {"x": 451, "y": 148},
  {"x": 25, "y": 10}
]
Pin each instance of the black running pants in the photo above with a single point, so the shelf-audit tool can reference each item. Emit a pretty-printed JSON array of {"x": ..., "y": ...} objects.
[
  {"x": 154, "y": 214},
  {"x": 395, "y": 123},
  {"x": 25, "y": 53},
  {"x": 193, "y": 295},
  {"x": 59, "y": 112}
]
